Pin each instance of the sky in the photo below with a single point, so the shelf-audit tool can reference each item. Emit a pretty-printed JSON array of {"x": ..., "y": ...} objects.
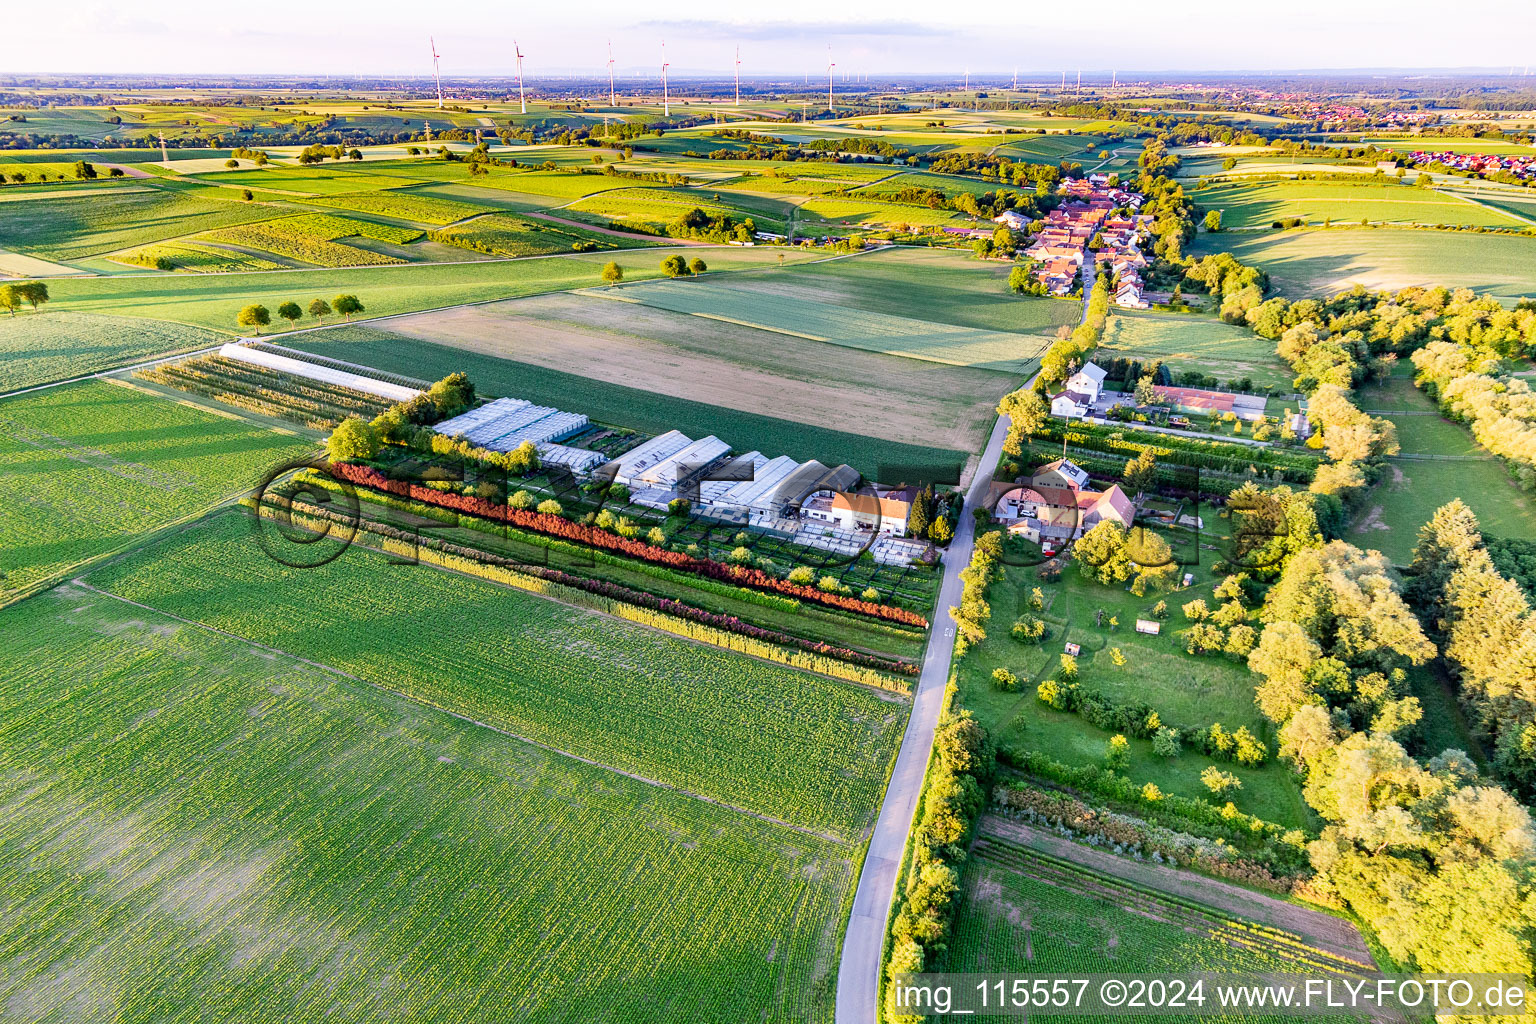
[{"x": 1041, "y": 39}]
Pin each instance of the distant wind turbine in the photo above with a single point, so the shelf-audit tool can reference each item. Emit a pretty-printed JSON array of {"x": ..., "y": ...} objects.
[
  {"x": 830, "y": 65},
  {"x": 436, "y": 76},
  {"x": 738, "y": 76},
  {"x": 666, "y": 100},
  {"x": 612, "y": 101},
  {"x": 522, "y": 101}
]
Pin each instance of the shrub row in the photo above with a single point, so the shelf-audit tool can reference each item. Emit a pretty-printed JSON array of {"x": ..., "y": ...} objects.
[
  {"x": 622, "y": 602},
  {"x": 1197, "y": 816},
  {"x": 1140, "y": 838},
  {"x": 953, "y": 798},
  {"x": 557, "y": 526}
]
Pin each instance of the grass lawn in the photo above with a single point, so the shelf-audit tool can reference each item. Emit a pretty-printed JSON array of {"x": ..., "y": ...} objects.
[
  {"x": 86, "y": 467},
  {"x": 1302, "y": 264},
  {"x": 1256, "y": 204},
  {"x": 196, "y": 829},
  {"x": 55, "y": 344},
  {"x": 1200, "y": 343},
  {"x": 608, "y": 402}
]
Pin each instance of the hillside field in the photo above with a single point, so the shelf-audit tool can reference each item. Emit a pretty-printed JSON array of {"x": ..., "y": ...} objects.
[
  {"x": 197, "y": 829},
  {"x": 56, "y": 344},
  {"x": 87, "y": 467},
  {"x": 1321, "y": 262},
  {"x": 1256, "y": 204},
  {"x": 1200, "y": 343}
]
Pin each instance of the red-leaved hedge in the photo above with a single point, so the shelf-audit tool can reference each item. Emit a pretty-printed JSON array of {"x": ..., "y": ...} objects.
[{"x": 557, "y": 526}]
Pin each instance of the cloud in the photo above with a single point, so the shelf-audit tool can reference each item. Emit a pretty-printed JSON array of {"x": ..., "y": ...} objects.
[{"x": 785, "y": 30}]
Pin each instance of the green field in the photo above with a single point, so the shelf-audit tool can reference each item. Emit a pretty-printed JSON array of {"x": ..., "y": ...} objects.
[
  {"x": 1410, "y": 489},
  {"x": 311, "y": 181},
  {"x": 210, "y": 300},
  {"x": 949, "y": 184},
  {"x": 197, "y": 259},
  {"x": 57, "y": 344},
  {"x": 828, "y": 215},
  {"x": 1320, "y": 263},
  {"x": 759, "y": 304},
  {"x": 400, "y": 204},
  {"x": 1256, "y": 204},
  {"x": 200, "y": 830},
  {"x": 80, "y": 226},
  {"x": 87, "y": 467},
  {"x": 554, "y": 184},
  {"x": 755, "y": 735},
  {"x": 1196, "y": 343},
  {"x": 501, "y": 234},
  {"x": 652, "y": 210},
  {"x": 631, "y": 407}
]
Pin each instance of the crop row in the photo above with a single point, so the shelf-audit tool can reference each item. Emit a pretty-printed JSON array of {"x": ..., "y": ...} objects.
[
  {"x": 268, "y": 392},
  {"x": 330, "y": 227},
  {"x": 765, "y": 737},
  {"x": 556, "y": 526},
  {"x": 500, "y": 234},
  {"x": 614, "y": 599}
]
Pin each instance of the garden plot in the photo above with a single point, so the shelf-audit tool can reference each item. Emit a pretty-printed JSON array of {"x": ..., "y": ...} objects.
[{"x": 1196, "y": 343}]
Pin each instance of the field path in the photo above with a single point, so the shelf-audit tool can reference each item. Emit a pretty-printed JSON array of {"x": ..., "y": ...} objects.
[
  {"x": 333, "y": 670},
  {"x": 616, "y": 234}
]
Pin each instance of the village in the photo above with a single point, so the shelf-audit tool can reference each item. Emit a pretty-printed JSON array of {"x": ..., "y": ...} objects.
[{"x": 1097, "y": 219}]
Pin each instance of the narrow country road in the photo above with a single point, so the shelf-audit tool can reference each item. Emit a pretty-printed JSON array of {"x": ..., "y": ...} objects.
[{"x": 858, "y": 973}]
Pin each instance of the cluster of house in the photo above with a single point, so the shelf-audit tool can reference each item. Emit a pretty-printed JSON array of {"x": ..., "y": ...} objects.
[
  {"x": 1056, "y": 506},
  {"x": 1084, "y": 394},
  {"x": 1523, "y": 167},
  {"x": 1325, "y": 112},
  {"x": 785, "y": 494},
  {"x": 1062, "y": 245}
]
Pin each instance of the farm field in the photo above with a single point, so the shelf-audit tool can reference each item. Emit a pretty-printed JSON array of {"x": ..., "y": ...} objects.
[
  {"x": 949, "y": 184},
  {"x": 651, "y": 210},
  {"x": 501, "y": 234},
  {"x": 840, "y": 388},
  {"x": 81, "y": 226},
  {"x": 1411, "y": 489},
  {"x": 634, "y": 407},
  {"x": 1320, "y": 263},
  {"x": 1030, "y": 902},
  {"x": 554, "y": 184},
  {"x": 56, "y": 344},
  {"x": 206, "y": 831},
  {"x": 1201, "y": 343},
  {"x": 400, "y": 204},
  {"x": 825, "y": 215},
  {"x": 86, "y": 467},
  {"x": 1255, "y": 205},
  {"x": 756, "y": 304},
  {"x": 773, "y": 740},
  {"x": 212, "y": 300},
  {"x": 308, "y": 181},
  {"x": 197, "y": 259}
]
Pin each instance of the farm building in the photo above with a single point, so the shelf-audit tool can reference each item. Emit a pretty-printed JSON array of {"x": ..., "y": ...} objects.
[
  {"x": 505, "y": 423},
  {"x": 1013, "y": 220},
  {"x": 1083, "y": 389},
  {"x": 666, "y": 461},
  {"x": 1056, "y": 505},
  {"x": 882, "y": 512},
  {"x": 1199, "y": 401},
  {"x": 748, "y": 485},
  {"x": 314, "y": 371}
]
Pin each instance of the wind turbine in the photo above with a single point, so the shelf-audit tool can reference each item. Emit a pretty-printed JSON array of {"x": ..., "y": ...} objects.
[
  {"x": 830, "y": 65},
  {"x": 612, "y": 102},
  {"x": 666, "y": 100},
  {"x": 520, "y": 98},
  {"x": 738, "y": 77},
  {"x": 436, "y": 76}
]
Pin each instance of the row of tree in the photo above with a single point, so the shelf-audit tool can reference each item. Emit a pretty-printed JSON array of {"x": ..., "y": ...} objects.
[{"x": 258, "y": 316}]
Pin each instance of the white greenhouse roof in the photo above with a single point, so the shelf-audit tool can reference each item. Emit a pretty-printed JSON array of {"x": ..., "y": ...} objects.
[{"x": 314, "y": 371}]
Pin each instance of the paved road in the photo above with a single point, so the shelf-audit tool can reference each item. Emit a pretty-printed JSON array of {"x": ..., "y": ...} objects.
[{"x": 858, "y": 974}]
